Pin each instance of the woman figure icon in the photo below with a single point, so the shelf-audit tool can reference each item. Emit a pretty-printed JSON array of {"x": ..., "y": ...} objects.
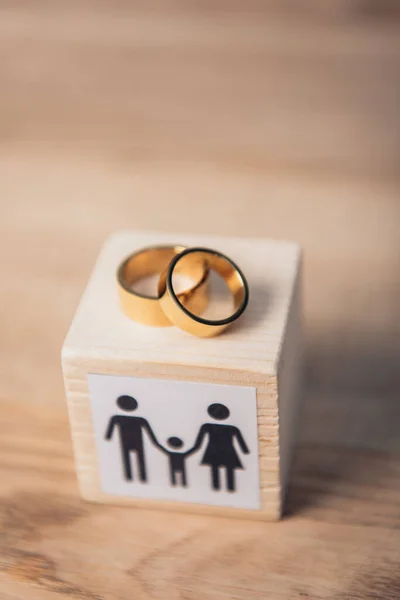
[{"x": 220, "y": 450}]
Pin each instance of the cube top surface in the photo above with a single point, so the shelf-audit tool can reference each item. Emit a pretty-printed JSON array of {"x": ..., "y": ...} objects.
[{"x": 251, "y": 345}]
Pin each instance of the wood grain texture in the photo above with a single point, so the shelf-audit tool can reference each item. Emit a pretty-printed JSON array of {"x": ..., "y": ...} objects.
[
  {"x": 342, "y": 541},
  {"x": 263, "y": 350},
  {"x": 232, "y": 82},
  {"x": 271, "y": 119}
]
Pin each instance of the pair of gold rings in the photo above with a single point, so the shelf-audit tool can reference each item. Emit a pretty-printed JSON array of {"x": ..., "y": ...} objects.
[{"x": 183, "y": 308}]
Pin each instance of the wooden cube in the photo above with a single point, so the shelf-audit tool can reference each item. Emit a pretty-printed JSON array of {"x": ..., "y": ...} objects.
[{"x": 140, "y": 398}]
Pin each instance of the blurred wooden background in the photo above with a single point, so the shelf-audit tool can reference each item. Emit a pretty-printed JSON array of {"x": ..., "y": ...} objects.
[{"x": 261, "y": 118}]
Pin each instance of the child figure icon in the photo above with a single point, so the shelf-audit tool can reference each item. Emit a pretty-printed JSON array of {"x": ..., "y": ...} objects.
[{"x": 177, "y": 461}]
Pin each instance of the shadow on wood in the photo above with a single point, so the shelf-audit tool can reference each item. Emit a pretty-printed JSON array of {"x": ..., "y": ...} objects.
[{"x": 349, "y": 427}]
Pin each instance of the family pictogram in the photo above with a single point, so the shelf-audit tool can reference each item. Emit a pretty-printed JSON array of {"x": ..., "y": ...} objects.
[{"x": 219, "y": 440}]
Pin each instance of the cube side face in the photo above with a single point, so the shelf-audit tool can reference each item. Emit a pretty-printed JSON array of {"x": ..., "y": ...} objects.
[
  {"x": 290, "y": 386},
  {"x": 263, "y": 470}
]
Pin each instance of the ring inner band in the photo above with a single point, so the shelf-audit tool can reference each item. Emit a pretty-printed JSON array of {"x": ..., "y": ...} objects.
[
  {"x": 148, "y": 262},
  {"x": 191, "y": 321},
  {"x": 146, "y": 308}
]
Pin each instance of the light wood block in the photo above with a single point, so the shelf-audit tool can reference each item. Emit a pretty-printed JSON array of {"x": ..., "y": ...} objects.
[{"x": 262, "y": 352}]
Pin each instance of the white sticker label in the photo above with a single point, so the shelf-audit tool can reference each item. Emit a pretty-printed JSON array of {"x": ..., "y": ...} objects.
[{"x": 175, "y": 440}]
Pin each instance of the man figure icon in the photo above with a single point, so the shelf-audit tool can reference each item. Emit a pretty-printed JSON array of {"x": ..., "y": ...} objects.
[{"x": 131, "y": 430}]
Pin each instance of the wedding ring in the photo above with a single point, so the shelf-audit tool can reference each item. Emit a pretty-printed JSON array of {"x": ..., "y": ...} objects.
[
  {"x": 182, "y": 315},
  {"x": 146, "y": 309}
]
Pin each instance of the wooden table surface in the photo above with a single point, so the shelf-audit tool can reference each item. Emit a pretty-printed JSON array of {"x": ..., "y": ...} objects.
[{"x": 265, "y": 119}]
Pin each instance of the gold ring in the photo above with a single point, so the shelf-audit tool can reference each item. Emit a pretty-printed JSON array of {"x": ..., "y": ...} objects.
[
  {"x": 181, "y": 315},
  {"x": 147, "y": 309}
]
